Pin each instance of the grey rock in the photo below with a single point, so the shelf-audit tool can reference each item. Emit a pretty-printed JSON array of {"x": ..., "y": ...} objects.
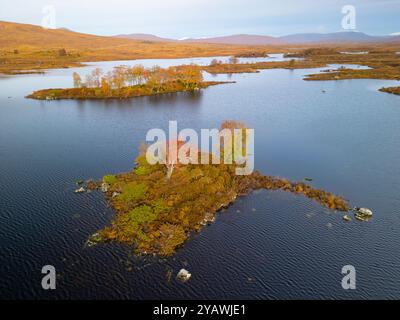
[
  {"x": 115, "y": 194},
  {"x": 183, "y": 275},
  {"x": 80, "y": 190},
  {"x": 362, "y": 214},
  {"x": 104, "y": 187},
  {"x": 346, "y": 218}
]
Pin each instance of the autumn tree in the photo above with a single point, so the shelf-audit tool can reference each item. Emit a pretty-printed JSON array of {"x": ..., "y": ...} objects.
[
  {"x": 93, "y": 79},
  {"x": 191, "y": 76},
  {"x": 77, "y": 80},
  {"x": 105, "y": 87},
  {"x": 156, "y": 79},
  {"x": 62, "y": 52},
  {"x": 171, "y": 155},
  {"x": 119, "y": 76},
  {"x": 231, "y": 125},
  {"x": 137, "y": 74}
]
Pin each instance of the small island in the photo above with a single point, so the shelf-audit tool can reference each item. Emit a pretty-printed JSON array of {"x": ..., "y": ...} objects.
[
  {"x": 393, "y": 90},
  {"x": 127, "y": 82},
  {"x": 219, "y": 67},
  {"x": 382, "y": 64},
  {"x": 156, "y": 212}
]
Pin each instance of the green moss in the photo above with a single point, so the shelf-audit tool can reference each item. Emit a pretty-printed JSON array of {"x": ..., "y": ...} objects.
[
  {"x": 140, "y": 171},
  {"x": 133, "y": 191},
  {"x": 160, "y": 206},
  {"x": 109, "y": 179},
  {"x": 141, "y": 215}
]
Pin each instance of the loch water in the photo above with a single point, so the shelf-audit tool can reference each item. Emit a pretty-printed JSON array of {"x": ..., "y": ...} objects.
[{"x": 267, "y": 245}]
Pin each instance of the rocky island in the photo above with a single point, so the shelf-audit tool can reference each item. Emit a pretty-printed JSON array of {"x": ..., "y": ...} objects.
[{"x": 156, "y": 212}]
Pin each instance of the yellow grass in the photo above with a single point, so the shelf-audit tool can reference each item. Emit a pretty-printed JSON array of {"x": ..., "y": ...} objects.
[{"x": 26, "y": 47}]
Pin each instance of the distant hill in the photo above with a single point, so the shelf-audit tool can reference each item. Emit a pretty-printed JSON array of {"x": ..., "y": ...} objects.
[
  {"x": 25, "y": 47},
  {"x": 242, "y": 39},
  {"x": 13, "y": 35},
  {"x": 17, "y": 34},
  {"x": 395, "y": 39},
  {"x": 301, "y": 38},
  {"x": 144, "y": 37},
  {"x": 336, "y": 37}
]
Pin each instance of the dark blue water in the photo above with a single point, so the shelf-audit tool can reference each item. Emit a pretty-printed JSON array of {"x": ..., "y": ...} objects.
[{"x": 267, "y": 245}]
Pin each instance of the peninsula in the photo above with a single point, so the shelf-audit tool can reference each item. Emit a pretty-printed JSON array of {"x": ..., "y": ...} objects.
[{"x": 156, "y": 212}]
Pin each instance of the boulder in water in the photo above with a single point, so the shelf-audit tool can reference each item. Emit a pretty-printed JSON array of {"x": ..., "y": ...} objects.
[
  {"x": 94, "y": 239},
  {"x": 346, "y": 218},
  {"x": 80, "y": 190},
  {"x": 183, "y": 275},
  {"x": 362, "y": 214}
]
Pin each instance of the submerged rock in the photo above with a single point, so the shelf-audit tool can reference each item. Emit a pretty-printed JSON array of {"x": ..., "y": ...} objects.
[
  {"x": 208, "y": 218},
  {"x": 80, "y": 190},
  {"x": 346, "y": 218},
  {"x": 183, "y": 275},
  {"x": 362, "y": 214},
  {"x": 94, "y": 239},
  {"x": 364, "y": 211},
  {"x": 169, "y": 275}
]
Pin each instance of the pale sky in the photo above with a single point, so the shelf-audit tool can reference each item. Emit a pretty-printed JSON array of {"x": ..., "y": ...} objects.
[{"x": 201, "y": 18}]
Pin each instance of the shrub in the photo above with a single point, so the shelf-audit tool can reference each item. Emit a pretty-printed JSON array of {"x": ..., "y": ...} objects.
[
  {"x": 133, "y": 191},
  {"x": 160, "y": 206},
  {"x": 62, "y": 52},
  {"x": 141, "y": 171},
  {"x": 109, "y": 179},
  {"x": 172, "y": 236}
]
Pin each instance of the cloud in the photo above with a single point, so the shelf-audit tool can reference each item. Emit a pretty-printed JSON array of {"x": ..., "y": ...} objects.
[{"x": 195, "y": 18}]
